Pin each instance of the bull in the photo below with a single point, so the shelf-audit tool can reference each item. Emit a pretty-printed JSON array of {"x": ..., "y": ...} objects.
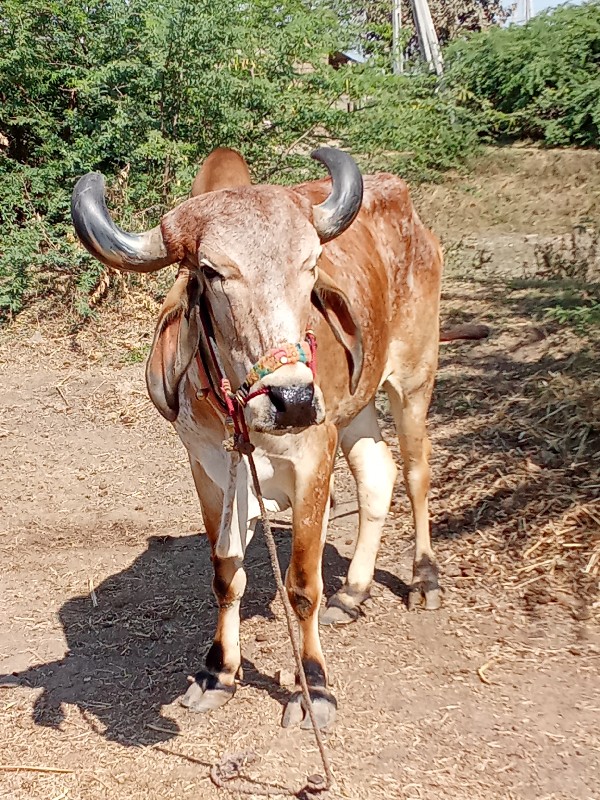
[{"x": 265, "y": 272}]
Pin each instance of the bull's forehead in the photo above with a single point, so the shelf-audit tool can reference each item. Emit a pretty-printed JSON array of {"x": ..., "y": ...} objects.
[{"x": 251, "y": 227}]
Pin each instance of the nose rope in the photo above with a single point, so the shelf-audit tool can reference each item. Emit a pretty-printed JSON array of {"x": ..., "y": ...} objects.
[{"x": 311, "y": 338}]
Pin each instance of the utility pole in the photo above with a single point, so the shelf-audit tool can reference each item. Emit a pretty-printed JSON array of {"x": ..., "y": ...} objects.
[
  {"x": 397, "y": 53},
  {"x": 522, "y": 11},
  {"x": 428, "y": 40}
]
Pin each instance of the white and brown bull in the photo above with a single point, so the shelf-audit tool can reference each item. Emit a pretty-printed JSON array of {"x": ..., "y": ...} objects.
[{"x": 260, "y": 266}]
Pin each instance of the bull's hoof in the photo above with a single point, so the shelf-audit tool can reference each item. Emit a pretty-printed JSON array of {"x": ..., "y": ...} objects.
[
  {"x": 343, "y": 607},
  {"x": 425, "y": 587},
  {"x": 324, "y": 706},
  {"x": 206, "y": 693}
]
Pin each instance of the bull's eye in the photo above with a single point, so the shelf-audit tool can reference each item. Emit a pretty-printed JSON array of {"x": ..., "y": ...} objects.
[{"x": 209, "y": 272}]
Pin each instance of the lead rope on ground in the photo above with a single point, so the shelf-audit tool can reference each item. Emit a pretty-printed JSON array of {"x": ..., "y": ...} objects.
[{"x": 227, "y": 773}]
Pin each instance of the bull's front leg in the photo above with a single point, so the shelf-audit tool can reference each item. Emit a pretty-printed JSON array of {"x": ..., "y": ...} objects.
[
  {"x": 304, "y": 581},
  {"x": 214, "y": 685}
]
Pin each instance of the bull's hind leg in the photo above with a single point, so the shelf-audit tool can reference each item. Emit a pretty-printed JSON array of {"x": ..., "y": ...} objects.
[
  {"x": 409, "y": 409},
  {"x": 304, "y": 580},
  {"x": 215, "y": 684},
  {"x": 374, "y": 471}
]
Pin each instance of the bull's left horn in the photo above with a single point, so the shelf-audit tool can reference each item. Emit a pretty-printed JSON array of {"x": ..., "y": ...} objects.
[
  {"x": 135, "y": 252},
  {"x": 335, "y": 214}
]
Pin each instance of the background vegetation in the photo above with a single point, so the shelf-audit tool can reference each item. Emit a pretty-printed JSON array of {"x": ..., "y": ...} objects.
[
  {"x": 143, "y": 91},
  {"x": 538, "y": 81}
]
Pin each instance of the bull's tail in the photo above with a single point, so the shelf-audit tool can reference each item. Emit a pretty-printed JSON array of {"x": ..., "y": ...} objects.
[{"x": 467, "y": 331}]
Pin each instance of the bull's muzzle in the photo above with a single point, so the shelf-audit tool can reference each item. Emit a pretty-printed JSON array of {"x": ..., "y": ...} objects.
[
  {"x": 286, "y": 406},
  {"x": 279, "y": 393},
  {"x": 294, "y": 406}
]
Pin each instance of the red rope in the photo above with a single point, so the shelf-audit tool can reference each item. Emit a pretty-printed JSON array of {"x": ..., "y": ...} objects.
[{"x": 245, "y": 400}]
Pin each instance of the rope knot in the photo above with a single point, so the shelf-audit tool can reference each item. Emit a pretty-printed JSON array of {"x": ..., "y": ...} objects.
[{"x": 243, "y": 445}]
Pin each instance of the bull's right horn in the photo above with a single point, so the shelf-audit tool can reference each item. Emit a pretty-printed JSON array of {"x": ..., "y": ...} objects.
[
  {"x": 336, "y": 213},
  {"x": 134, "y": 252}
]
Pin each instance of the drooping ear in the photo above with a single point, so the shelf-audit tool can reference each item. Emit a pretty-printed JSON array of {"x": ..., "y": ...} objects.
[
  {"x": 333, "y": 304},
  {"x": 175, "y": 344}
]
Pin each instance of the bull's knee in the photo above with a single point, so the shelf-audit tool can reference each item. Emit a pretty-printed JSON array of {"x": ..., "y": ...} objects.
[
  {"x": 304, "y": 591},
  {"x": 374, "y": 470},
  {"x": 304, "y": 602},
  {"x": 229, "y": 581},
  {"x": 376, "y": 485},
  {"x": 417, "y": 477}
]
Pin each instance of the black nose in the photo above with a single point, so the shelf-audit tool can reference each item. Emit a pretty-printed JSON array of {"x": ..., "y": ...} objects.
[{"x": 294, "y": 405}]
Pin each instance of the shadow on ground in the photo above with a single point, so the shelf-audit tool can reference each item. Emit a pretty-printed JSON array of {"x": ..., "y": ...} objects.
[{"x": 152, "y": 626}]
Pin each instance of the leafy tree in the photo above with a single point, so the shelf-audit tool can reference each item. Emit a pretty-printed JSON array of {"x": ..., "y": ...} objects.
[
  {"x": 540, "y": 80},
  {"x": 406, "y": 124},
  {"x": 142, "y": 91},
  {"x": 451, "y": 18}
]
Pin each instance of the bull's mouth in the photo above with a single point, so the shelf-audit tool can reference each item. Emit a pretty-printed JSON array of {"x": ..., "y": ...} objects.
[
  {"x": 280, "y": 431},
  {"x": 261, "y": 427}
]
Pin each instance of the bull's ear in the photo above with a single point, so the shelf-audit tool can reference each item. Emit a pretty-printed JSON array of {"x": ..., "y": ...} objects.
[
  {"x": 335, "y": 307},
  {"x": 175, "y": 344}
]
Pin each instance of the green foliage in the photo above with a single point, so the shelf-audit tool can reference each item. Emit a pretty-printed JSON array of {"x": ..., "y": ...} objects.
[
  {"x": 136, "y": 355},
  {"x": 408, "y": 124},
  {"x": 142, "y": 91},
  {"x": 540, "y": 80},
  {"x": 581, "y": 317}
]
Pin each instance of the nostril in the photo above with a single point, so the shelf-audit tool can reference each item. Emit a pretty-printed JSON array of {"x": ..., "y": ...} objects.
[
  {"x": 287, "y": 399},
  {"x": 277, "y": 396},
  {"x": 306, "y": 395}
]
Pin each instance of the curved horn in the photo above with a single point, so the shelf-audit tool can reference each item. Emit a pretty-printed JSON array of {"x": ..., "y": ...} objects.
[
  {"x": 335, "y": 214},
  {"x": 135, "y": 252}
]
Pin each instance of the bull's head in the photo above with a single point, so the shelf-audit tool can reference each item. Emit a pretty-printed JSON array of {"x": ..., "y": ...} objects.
[{"x": 249, "y": 257}]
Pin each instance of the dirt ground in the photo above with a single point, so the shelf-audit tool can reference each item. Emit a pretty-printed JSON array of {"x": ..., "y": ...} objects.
[{"x": 105, "y": 593}]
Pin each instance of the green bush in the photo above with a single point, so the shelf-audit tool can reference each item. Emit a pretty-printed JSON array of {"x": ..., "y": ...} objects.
[
  {"x": 540, "y": 80},
  {"x": 408, "y": 124},
  {"x": 142, "y": 91}
]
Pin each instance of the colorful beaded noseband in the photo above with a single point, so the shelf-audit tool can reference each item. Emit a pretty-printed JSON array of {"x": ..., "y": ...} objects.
[{"x": 285, "y": 354}]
